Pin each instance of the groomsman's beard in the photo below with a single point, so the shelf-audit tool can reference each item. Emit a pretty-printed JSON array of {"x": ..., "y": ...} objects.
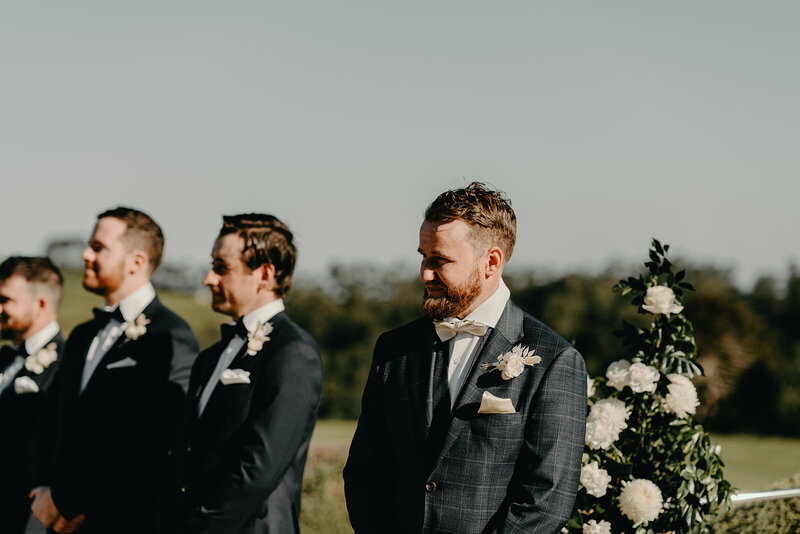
[{"x": 455, "y": 301}]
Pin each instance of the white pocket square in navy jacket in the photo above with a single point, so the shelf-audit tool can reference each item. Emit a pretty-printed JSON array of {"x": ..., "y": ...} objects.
[
  {"x": 493, "y": 404},
  {"x": 235, "y": 376},
  {"x": 125, "y": 362},
  {"x": 25, "y": 384}
]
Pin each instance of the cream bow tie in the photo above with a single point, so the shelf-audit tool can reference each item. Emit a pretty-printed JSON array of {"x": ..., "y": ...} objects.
[{"x": 447, "y": 330}]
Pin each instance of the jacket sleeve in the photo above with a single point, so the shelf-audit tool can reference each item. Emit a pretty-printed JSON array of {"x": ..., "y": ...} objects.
[
  {"x": 368, "y": 483},
  {"x": 257, "y": 456},
  {"x": 548, "y": 470}
]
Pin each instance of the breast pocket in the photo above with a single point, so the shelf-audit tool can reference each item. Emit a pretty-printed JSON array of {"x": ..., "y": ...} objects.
[{"x": 499, "y": 426}]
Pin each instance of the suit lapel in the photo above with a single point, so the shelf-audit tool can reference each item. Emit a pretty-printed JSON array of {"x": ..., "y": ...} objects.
[{"x": 501, "y": 339}]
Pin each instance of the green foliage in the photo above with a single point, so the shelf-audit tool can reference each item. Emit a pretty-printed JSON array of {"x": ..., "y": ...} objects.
[
  {"x": 659, "y": 441},
  {"x": 765, "y": 517}
]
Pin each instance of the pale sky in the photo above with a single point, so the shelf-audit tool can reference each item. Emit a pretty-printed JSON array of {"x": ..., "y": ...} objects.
[{"x": 605, "y": 122}]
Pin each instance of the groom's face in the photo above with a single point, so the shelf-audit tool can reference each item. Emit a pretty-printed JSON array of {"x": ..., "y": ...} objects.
[{"x": 450, "y": 270}]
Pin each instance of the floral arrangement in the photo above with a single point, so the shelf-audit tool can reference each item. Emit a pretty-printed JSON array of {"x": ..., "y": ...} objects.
[
  {"x": 257, "y": 338},
  {"x": 37, "y": 363},
  {"x": 648, "y": 468},
  {"x": 512, "y": 363}
]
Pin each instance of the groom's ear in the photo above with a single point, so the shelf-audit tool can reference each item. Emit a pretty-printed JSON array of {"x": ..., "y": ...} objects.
[{"x": 494, "y": 263}]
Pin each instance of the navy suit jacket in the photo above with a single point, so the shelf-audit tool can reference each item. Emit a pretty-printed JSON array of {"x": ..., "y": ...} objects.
[
  {"x": 246, "y": 453},
  {"x": 107, "y": 451},
  {"x": 20, "y": 416},
  {"x": 492, "y": 473}
]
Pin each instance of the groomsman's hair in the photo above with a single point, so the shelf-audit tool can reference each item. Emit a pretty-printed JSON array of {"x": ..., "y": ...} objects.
[
  {"x": 40, "y": 273},
  {"x": 489, "y": 214},
  {"x": 266, "y": 241},
  {"x": 142, "y": 234}
]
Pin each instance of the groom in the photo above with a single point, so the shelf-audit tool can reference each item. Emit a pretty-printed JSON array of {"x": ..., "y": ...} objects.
[
  {"x": 105, "y": 457},
  {"x": 452, "y": 439},
  {"x": 254, "y": 395}
]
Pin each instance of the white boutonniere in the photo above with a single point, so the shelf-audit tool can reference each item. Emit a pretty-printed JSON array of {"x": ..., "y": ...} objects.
[
  {"x": 37, "y": 363},
  {"x": 512, "y": 363},
  {"x": 137, "y": 328},
  {"x": 257, "y": 338}
]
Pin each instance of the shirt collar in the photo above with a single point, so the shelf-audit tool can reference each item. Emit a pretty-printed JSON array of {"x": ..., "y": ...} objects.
[
  {"x": 262, "y": 314},
  {"x": 491, "y": 309},
  {"x": 135, "y": 303},
  {"x": 34, "y": 343}
]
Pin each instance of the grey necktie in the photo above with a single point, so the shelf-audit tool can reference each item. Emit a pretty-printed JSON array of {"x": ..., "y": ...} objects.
[{"x": 10, "y": 372}]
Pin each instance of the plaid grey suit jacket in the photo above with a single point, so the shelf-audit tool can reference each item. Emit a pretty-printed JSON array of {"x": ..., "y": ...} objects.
[{"x": 494, "y": 473}]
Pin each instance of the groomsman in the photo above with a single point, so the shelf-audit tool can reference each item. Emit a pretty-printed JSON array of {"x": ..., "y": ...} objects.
[
  {"x": 473, "y": 417},
  {"x": 253, "y": 395},
  {"x": 119, "y": 393},
  {"x": 30, "y": 290}
]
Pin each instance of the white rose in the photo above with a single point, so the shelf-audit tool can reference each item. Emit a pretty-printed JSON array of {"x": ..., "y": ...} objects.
[
  {"x": 643, "y": 378},
  {"x": 47, "y": 355},
  {"x": 682, "y": 397},
  {"x": 513, "y": 368},
  {"x": 593, "y": 527},
  {"x": 595, "y": 479},
  {"x": 589, "y": 386},
  {"x": 600, "y": 435},
  {"x": 617, "y": 374},
  {"x": 640, "y": 500},
  {"x": 661, "y": 299}
]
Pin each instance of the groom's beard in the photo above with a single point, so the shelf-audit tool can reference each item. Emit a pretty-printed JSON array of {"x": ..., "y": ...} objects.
[{"x": 455, "y": 300}]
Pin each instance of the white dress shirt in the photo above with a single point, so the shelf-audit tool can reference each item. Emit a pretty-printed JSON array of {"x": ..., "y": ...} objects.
[
  {"x": 130, "y": 307},
  {"x": 250, "y": 321},
  {"x": 463, "y": 345}
]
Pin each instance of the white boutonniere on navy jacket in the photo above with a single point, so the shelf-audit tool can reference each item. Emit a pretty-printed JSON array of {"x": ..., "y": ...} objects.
[
  {"x": 137, "y": 328},
  {"x": 512, "y": 363},
  {"x": 37, "y": 363},
  {"x": 257, "y": 338}
]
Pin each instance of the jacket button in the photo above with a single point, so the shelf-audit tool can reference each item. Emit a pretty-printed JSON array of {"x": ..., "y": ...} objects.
[{"x": 430, "y": 486}]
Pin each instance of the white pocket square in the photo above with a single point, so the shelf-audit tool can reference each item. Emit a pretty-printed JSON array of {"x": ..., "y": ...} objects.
[
  {"x": 492, "y": 404},
  {"x": 25, "y": 384},
  {"x": 125, "y": 362},
  {"x": 235, "y": 376}
]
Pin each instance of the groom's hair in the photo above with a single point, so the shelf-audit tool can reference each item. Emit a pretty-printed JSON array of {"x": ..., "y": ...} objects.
[
  {"x": 489, "y": 214},
  {"x": 43, "y": 277},
  {"x": 267, "y": 241},
  {"x": 142, "y": 233}
]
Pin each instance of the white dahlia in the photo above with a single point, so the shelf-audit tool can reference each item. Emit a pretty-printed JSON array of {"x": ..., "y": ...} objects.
[
  {"x": 611, "y": 411},
  {"x": 682, "y": 397},
  {"x": 643, "y": 378},
  {"x": 595, "y": 479},
  {"x": 640, "y": 500},
  {"x": 600, "y": 435},
  {"x": 593, "y": 527}
]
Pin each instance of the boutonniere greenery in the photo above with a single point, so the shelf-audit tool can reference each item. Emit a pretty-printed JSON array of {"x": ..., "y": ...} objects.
[
  {"x": 137, "y": 328},
  {"x": 257, "y": 338},
  {"x": 512, "y": 363},
  {"x": 37, "y": 363}
]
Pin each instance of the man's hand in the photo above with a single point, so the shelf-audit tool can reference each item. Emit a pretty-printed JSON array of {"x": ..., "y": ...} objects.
[
  {"x": 62, "y": 526},
  {"x": 43, "y": 507}
]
